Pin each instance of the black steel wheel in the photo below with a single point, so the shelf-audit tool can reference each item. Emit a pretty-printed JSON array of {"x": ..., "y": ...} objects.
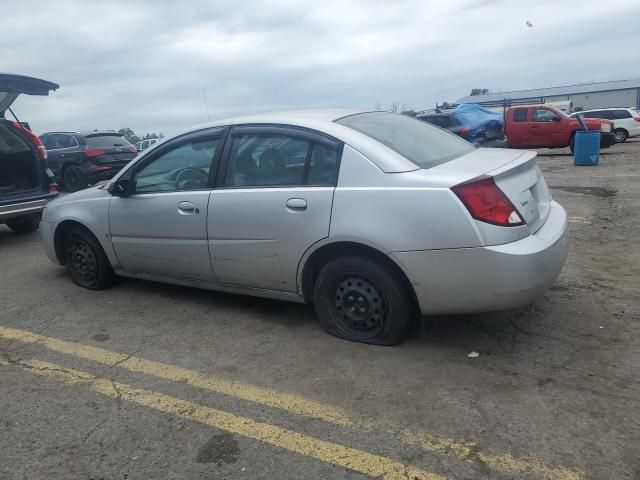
[
  {"x": 363, "y": 300},
  {"x": 87, "y": 263},
  {"x": 74, "y": 179}
]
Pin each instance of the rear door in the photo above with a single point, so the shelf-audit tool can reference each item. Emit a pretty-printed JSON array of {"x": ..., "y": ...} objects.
[
  {"x": 273, "y": 202},
  {"x": 518, "y": 129},
  {"x": 161, "y": 228}
]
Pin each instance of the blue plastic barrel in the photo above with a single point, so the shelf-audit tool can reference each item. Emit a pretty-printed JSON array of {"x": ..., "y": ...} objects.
[{"x": 586, "y": 148}]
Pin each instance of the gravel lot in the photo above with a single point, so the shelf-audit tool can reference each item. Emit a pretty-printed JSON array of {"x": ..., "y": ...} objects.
[{"x": 553, "y": 395}]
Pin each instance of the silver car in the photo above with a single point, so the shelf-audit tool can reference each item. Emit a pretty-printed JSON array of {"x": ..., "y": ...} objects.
[{"x": 373, "y": 217}]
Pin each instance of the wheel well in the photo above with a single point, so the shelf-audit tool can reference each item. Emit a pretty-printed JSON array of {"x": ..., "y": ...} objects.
[
  {"x": 623, "y": 129},
  {"x": 61, "y": 232},
  {"x": 330, "y": 251}
]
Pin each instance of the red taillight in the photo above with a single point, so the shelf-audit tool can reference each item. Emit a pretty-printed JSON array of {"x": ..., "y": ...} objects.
[
  {"x": 133, "y": 149},
  {"x": 42, "y": 152},
  {"x": 99, "y": 168},
  {"x": 93, "y": 153},
  {"x": 487, "y": 203},
  {"x": 53, "y": 187},
  {"x": 637, "y": 119},
  {"x": 463, "y": 132}
]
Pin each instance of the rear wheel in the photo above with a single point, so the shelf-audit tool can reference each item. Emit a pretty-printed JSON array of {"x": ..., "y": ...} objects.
[
  {"x": 26, "y": 224},
  {"x": 572, "y": 143},
  {"x": 74, "y": 179},
  {"x": 621, "y": 135},
  {"x": 87, "y": 263},
  {"x": 362, "y": 300}
]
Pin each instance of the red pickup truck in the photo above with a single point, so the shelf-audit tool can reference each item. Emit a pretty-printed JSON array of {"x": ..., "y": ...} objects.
[{"x": 541, "y": 126}]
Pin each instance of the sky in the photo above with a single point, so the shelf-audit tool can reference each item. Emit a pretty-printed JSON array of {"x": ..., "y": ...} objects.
[{"x": 149, "y": 65}]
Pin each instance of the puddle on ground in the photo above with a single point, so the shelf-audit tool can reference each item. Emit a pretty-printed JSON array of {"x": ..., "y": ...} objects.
[
  {"x": 595, "y": 191},
  {"x": 101, "y": 337},
  {"x": 219, "y": 449}
]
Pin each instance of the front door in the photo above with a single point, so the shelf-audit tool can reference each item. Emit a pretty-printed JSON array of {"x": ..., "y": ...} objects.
[
  {"x": 161, "y": 227},
  {"x": 546, "y": 129},
  {"x": 272, "y": 203}
]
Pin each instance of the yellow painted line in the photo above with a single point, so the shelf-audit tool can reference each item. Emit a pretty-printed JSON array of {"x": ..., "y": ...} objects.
[
  {"x": 428, "y": 441},
  {"x": 579, "y": 220},
  {"x": 501, "y": 462},
  {"x": 265, "y": 396},
  {"x": 332, "y": 453}
]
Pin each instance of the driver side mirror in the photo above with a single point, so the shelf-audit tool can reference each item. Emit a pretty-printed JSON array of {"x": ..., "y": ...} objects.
[{"x": 120, "y": 188}]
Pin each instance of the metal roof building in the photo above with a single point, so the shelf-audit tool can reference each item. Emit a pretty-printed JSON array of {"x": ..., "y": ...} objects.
[{"x": 620, "y": 93}]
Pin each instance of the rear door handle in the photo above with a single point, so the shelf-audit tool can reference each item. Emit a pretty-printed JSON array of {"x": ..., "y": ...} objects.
[
  {"x": 297, "y": 204},
  {"x": 186, "y": 208}
]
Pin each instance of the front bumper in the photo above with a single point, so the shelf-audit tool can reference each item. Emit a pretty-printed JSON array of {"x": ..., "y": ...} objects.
[
  {"x": 47, "y": 232},
  {"x": 481, "y": 279}
]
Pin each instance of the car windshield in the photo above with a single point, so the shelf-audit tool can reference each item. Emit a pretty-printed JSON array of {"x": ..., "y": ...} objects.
[
  {"x": 106, "y": 141},
  {"x": 417, "y": 141}
]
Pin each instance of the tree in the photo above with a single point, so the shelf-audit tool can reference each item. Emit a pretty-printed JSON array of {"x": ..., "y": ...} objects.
[
  {"x": 479, "y": 91},
  {"x": 129, "y": 135}
]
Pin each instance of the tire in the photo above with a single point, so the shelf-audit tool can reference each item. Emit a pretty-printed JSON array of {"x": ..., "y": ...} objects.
[
  {"x": 572, "y": 144},
  {"x": 354, "y": 282},
  {"x": 87, "y": 263},
  {"x": 621, "y": 135},
  {"x": 74, "y": 179},
  {"x": 26, "y": 224}
]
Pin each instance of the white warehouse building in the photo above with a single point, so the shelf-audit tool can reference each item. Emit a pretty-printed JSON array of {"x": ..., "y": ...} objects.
[{"x": 620, "y": 93}]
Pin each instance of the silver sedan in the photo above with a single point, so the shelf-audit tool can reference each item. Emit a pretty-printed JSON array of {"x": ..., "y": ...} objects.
[{"x": 373, "y": 217}]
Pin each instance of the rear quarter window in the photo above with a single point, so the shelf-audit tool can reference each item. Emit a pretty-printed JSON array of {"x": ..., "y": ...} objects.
[{"x": 424, "y": 145}]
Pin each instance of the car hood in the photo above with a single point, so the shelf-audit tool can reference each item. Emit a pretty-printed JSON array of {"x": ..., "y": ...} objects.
[
  {"x": 11, "y": 86},
  {"x": 82, "y": 195}
]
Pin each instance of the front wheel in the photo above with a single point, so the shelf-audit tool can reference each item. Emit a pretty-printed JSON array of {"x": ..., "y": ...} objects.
[
  {"x": 362, "y": 300},
  {"x": 87, "y": 263},
  {"x": 26, "y": 224}
]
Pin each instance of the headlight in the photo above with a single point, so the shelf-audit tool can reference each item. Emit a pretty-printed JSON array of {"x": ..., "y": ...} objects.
[{"x": 605, "y": 127}]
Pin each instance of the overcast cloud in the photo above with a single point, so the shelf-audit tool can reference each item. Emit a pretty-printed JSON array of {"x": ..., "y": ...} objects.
[{"x": 144, "y": 64}]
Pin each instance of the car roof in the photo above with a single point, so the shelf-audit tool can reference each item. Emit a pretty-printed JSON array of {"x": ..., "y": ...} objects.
[
  {"x": 323, "y": 120},
  {"x": 600, "y": 109}
]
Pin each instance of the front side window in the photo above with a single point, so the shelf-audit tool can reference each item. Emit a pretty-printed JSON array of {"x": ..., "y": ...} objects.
[
  {"x": 266, "y": 160},
  {"x": 185, "y": 167},
  {"x": 544, "y": 115},
  {"x": 423, "y": 144}
]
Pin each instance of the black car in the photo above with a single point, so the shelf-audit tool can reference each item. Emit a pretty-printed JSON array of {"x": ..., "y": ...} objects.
[
  {"x": 80, "y": 159},
  {"x": 26, "y": 184}
]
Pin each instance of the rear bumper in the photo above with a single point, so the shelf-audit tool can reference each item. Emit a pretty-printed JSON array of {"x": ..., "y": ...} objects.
[
  {"x": 19, "y": 209},
  {"x": 607, "y": 139},
  {"x": 492, "y": 278}
]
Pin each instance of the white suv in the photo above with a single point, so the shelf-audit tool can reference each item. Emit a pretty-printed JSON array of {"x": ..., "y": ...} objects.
[
  {"x": 626, "y": 121},
  {"x": 144, "y": 144}
]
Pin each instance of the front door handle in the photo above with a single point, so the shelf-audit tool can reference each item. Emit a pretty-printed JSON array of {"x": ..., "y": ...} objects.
[
  {"x": 297, "y": 204},
  {"x": 187, "y": 208}
]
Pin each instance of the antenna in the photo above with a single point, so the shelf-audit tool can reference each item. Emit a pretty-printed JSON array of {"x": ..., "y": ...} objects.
[{"x": 204, "y": 97}]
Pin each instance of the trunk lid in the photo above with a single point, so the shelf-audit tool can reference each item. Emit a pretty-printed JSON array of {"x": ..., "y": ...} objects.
[
  {"x": 11, "y": 86},
  {"x": 117, "y": 150},
  {"x": 515, "y": 172}
]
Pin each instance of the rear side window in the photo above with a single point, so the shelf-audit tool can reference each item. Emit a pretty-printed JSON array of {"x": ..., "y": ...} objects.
[
  {"x": 620, "y": 114},
  {"x": 520, "y": 115},
  {"x": 106, "y": 141},
  {"x": 323, "y": 166},
  {"x": 419, "y": 142}
]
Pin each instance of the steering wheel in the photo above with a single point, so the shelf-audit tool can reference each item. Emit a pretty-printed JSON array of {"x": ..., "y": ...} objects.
[{"x": 191, "y": 179}]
